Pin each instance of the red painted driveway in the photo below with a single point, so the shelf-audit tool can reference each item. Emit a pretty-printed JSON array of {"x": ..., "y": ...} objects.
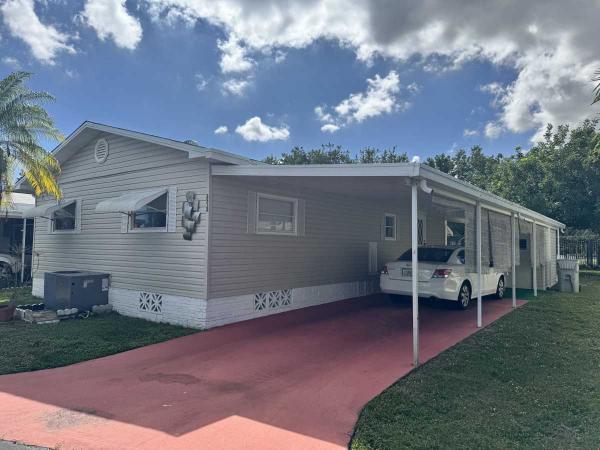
[{"x": 294, "y": 380}]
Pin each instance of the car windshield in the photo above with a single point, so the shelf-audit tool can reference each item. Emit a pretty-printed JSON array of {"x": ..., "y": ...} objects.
[{"x": 432, "y": 254}]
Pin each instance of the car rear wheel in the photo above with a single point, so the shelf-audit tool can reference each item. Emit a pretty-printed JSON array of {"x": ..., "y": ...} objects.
[
  {"x": 500, "y": 289},
  {"x": 464, "y": 296}
]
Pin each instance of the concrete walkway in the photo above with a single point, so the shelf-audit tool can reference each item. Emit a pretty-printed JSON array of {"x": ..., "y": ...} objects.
[{"x": 292, "y": 381}]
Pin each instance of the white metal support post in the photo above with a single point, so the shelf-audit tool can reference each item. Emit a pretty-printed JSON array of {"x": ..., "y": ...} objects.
[
  {"x": 415, "y": 272},
  {"x": 558, "y": 243},
  {"x": 534, "y": 258},
  {"x": 23, "y": 242},
  {"x": 513, "y": 277},
  {"x": 478, "y": 223}
]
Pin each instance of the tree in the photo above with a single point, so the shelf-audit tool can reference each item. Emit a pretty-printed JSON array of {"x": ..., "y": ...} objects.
[
  {"x": 23, "y": 123},
  {"x": 597, "y": 88},
  {"x": 596, "y": 100},
  {"x": 370, "y": 155},
  {"x": 335, "y": 154},
  {"x": 441, "y": 161},
  {"x": 327, "y": 154}
]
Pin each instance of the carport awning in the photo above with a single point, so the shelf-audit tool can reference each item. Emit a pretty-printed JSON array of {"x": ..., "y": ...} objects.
[
  {"x": 132, "y": 201},
  {"x": 45, "y": 210}
]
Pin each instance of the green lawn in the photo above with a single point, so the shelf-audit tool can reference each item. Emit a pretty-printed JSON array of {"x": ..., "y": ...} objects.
[
  {"x": 25, "y": 347},
  {"x": 530, "y": 380}
]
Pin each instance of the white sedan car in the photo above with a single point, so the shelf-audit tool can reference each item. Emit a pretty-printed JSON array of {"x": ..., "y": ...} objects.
[{"x": 442, "y": 275}]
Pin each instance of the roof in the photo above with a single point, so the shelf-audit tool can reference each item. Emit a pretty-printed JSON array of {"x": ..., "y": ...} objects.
[
  {"x": 18, "y": 203},
  {"x": 193, "y": 150},
  {"x": 235, "y": 165},
  {"x": 89, "y": 131},
  {"x": 441, "y": 181}
]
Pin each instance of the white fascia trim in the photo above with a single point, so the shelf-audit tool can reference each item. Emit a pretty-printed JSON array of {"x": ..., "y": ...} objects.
[
  {"x": 318, "y": 170},
  {"x": 485, "y": 197}
]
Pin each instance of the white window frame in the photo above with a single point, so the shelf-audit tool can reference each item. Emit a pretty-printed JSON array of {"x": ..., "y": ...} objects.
[
  {"x": 260, "y": 195},
  {"x": 165, "y": 229},
  {"x": 77, "y": 227},
  {"x": 385, "y": 227}
]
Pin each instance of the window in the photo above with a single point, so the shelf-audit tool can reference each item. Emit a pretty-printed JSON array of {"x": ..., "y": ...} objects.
[
  {"x": 460, "y": 256},
  {"x": 152, "y": 215},
  {"x": 523, "y": 244},
  {"x": 455, "y": 233},
  {"x": 276, "y": 215},
  {"x": 429, "y": 254},
  {"x": 65, "y": 218},
  {"x": 389, "y": 232}
]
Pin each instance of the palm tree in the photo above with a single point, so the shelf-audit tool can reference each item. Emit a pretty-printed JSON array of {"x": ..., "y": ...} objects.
[{"x": 23, "y": 123}]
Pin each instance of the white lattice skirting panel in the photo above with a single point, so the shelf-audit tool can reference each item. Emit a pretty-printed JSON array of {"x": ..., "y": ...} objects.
[{"x": 272, "y": 299}]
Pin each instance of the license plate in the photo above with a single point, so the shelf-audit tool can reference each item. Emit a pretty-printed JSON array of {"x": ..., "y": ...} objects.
[{"x": 407, "y": 272}]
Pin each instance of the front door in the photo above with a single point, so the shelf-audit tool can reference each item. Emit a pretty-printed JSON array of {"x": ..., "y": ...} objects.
[{"x": 524, "y": 270}]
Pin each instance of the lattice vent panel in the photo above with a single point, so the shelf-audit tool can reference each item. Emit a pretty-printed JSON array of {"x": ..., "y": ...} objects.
[
  {"x": 272, "y": 299},
  {"x": 151, "y": 302}
]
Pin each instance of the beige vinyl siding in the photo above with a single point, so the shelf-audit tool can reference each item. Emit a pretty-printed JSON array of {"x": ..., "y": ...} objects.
[
  {"x": 334, "y": 248},
  {"x": 148, "y": 261}
]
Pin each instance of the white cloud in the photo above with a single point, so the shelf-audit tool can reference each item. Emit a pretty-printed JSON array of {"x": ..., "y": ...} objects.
[
  {"x": 493, "y": 130},
  {"x": 111, "y": 20},
  {"x": 280, "y": 56},
  {"x": 553, "y": 67},
  {"x": 233, "y": 57},
  {"x": 235, "y": 86},
  {"x": 221, "y": 130},
  {"x": 255, "y": 130},
  {"x": 380, "y": 97},
  {"x": 329, "y": 128},
  {"x": 470, "y": 133},
  {"x": 201, "y": 82},
  {"x": 44, "y": 41},
  {"x": 322, "y": 115},
  {"x": 416, "y": 159},
  {"x": 11, "y": 62},
  {"x": 413, "y": 88}
]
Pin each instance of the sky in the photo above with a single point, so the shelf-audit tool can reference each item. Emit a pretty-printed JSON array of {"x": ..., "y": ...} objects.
[{"x": 258, "y": 77}]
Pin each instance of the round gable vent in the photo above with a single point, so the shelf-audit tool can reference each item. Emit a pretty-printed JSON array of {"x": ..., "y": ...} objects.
[{"x": 101, "y": 151}]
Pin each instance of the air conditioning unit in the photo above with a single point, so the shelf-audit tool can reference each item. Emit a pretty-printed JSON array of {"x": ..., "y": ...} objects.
[{"x": 75, "y": 289}]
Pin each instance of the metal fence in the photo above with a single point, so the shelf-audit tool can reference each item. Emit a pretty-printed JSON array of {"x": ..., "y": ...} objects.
[{"x": 585, "y": 251}]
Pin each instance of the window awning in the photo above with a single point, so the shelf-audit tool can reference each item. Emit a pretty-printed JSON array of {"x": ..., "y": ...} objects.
[
  {"x": 132, "y": 201},
  {"x": 45, "y": 210}
]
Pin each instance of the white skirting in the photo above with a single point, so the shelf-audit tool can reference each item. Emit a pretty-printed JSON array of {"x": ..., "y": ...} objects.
[
  {"x": 221, "y": 311},
  {"x": 198, "y": 313},
  {"x": 37, "y": 287},
  {"x": 186, "y": 311}
]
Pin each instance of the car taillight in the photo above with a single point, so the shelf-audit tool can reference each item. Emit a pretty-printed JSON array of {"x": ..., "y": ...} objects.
[
  {"x": 384, "y": 270},
  {"x": 441, "y": 273}
]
